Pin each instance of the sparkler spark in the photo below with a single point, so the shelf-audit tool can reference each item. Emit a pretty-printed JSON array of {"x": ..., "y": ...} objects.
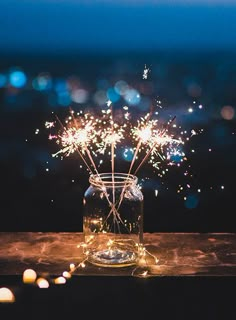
[
  {"x": 91, "y": 136},
  {"x": 145, "y": 72},
  {"x": 78, "y": 134},
  {"x": 49, "y": 124},
  {"x": 110, "y": 136}
]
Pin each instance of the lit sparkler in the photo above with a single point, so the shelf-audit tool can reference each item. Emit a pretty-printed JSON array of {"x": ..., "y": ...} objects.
[{"x": 91, "y": 136}]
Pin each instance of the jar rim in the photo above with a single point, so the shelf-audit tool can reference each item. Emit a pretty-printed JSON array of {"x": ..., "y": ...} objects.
[{"x": 116, "y": 179}]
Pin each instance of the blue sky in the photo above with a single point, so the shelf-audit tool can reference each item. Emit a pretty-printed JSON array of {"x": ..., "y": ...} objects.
[{"x": 50, "y": 26}]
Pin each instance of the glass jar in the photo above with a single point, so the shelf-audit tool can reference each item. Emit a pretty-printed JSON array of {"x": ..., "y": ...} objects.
[{"x": 113, "y": 219}]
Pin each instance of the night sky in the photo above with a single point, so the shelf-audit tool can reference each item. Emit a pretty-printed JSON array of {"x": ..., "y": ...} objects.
[{"x": 49, "y": 26}]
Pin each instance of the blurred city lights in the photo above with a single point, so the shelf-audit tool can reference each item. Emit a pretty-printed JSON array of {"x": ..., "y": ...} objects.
[
  {"x": 42, "y": 82},
  {"x": 121, "y": 87},
  {"x": 100, "y": 97},
  {"x": 79, "y": 95},
  {"x": 112, "y": 95},
  {"x": 17, "y": 78},
  {"x": 60, "y": 85},
  {"x": 227, "y": 112},
  {"x": 132, "y": 97},
  {"x": 64, "y": 98}
]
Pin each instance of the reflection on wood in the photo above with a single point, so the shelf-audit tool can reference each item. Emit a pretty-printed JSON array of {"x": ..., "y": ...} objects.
[{"x": 178, "y": 254}]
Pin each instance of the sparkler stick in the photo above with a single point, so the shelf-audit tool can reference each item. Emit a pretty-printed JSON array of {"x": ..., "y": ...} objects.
[
  {"x": 88, "y": 167},
  {"x": 138, "y": 146},
  {"x": 110, "y": 136},
  {"x": 112, "y": 204},
  {"x": 134, "y": 157},
  {"x": 91, "y": 159},
  {"x": 113, "y": 164},
  {"x": 130, "y": 168},
  {"x": 140, "y": 141},
  {"x": 144, "y": 135},
  {"x": 78, "y": 139}
]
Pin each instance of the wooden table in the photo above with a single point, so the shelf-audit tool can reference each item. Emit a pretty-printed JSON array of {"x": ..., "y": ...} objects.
[
  {"x": 178, "y": 254},
  {"x": 193, "y": 279}
]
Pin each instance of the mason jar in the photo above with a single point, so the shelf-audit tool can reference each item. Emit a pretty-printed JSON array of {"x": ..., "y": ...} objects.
[{"x": 113, "y": 219}]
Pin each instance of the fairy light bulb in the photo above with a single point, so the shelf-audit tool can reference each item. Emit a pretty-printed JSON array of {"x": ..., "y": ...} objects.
[
  {"x": 60, "y": 280},
  {"x": 66, "y": 274},
  {"x": 6, "y": 295},
  {"x": 42, "y": 283},
  {"x": 29, "y": 276}
]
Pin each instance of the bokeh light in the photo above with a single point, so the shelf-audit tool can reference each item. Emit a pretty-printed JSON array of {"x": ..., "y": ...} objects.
[
  {"x": 100, "y": 97},
  {"x": 42, "y": 283},
  {"x": 17, "y": 78},
  {"x": 121, "y": 87},
  {"x": 112, "y": 95},
  {"x": 64, "y": 98},
  {"x": 6, "y": 295},
  {"x": 29, "y": 276},
  {"x": 191, "y": 201},
  {"x": 42, "y": 82},
  {"x": 132, "y": 97},
  {"x": 227, "y": 112},
  {"x": 79, "y": 95}
]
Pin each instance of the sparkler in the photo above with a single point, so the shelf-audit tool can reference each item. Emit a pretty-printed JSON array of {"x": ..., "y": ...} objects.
[{"x": 92, "y": 136}]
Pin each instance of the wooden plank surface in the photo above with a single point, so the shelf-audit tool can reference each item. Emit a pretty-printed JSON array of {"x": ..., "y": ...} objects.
[{"x": 177, "y": 254}]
